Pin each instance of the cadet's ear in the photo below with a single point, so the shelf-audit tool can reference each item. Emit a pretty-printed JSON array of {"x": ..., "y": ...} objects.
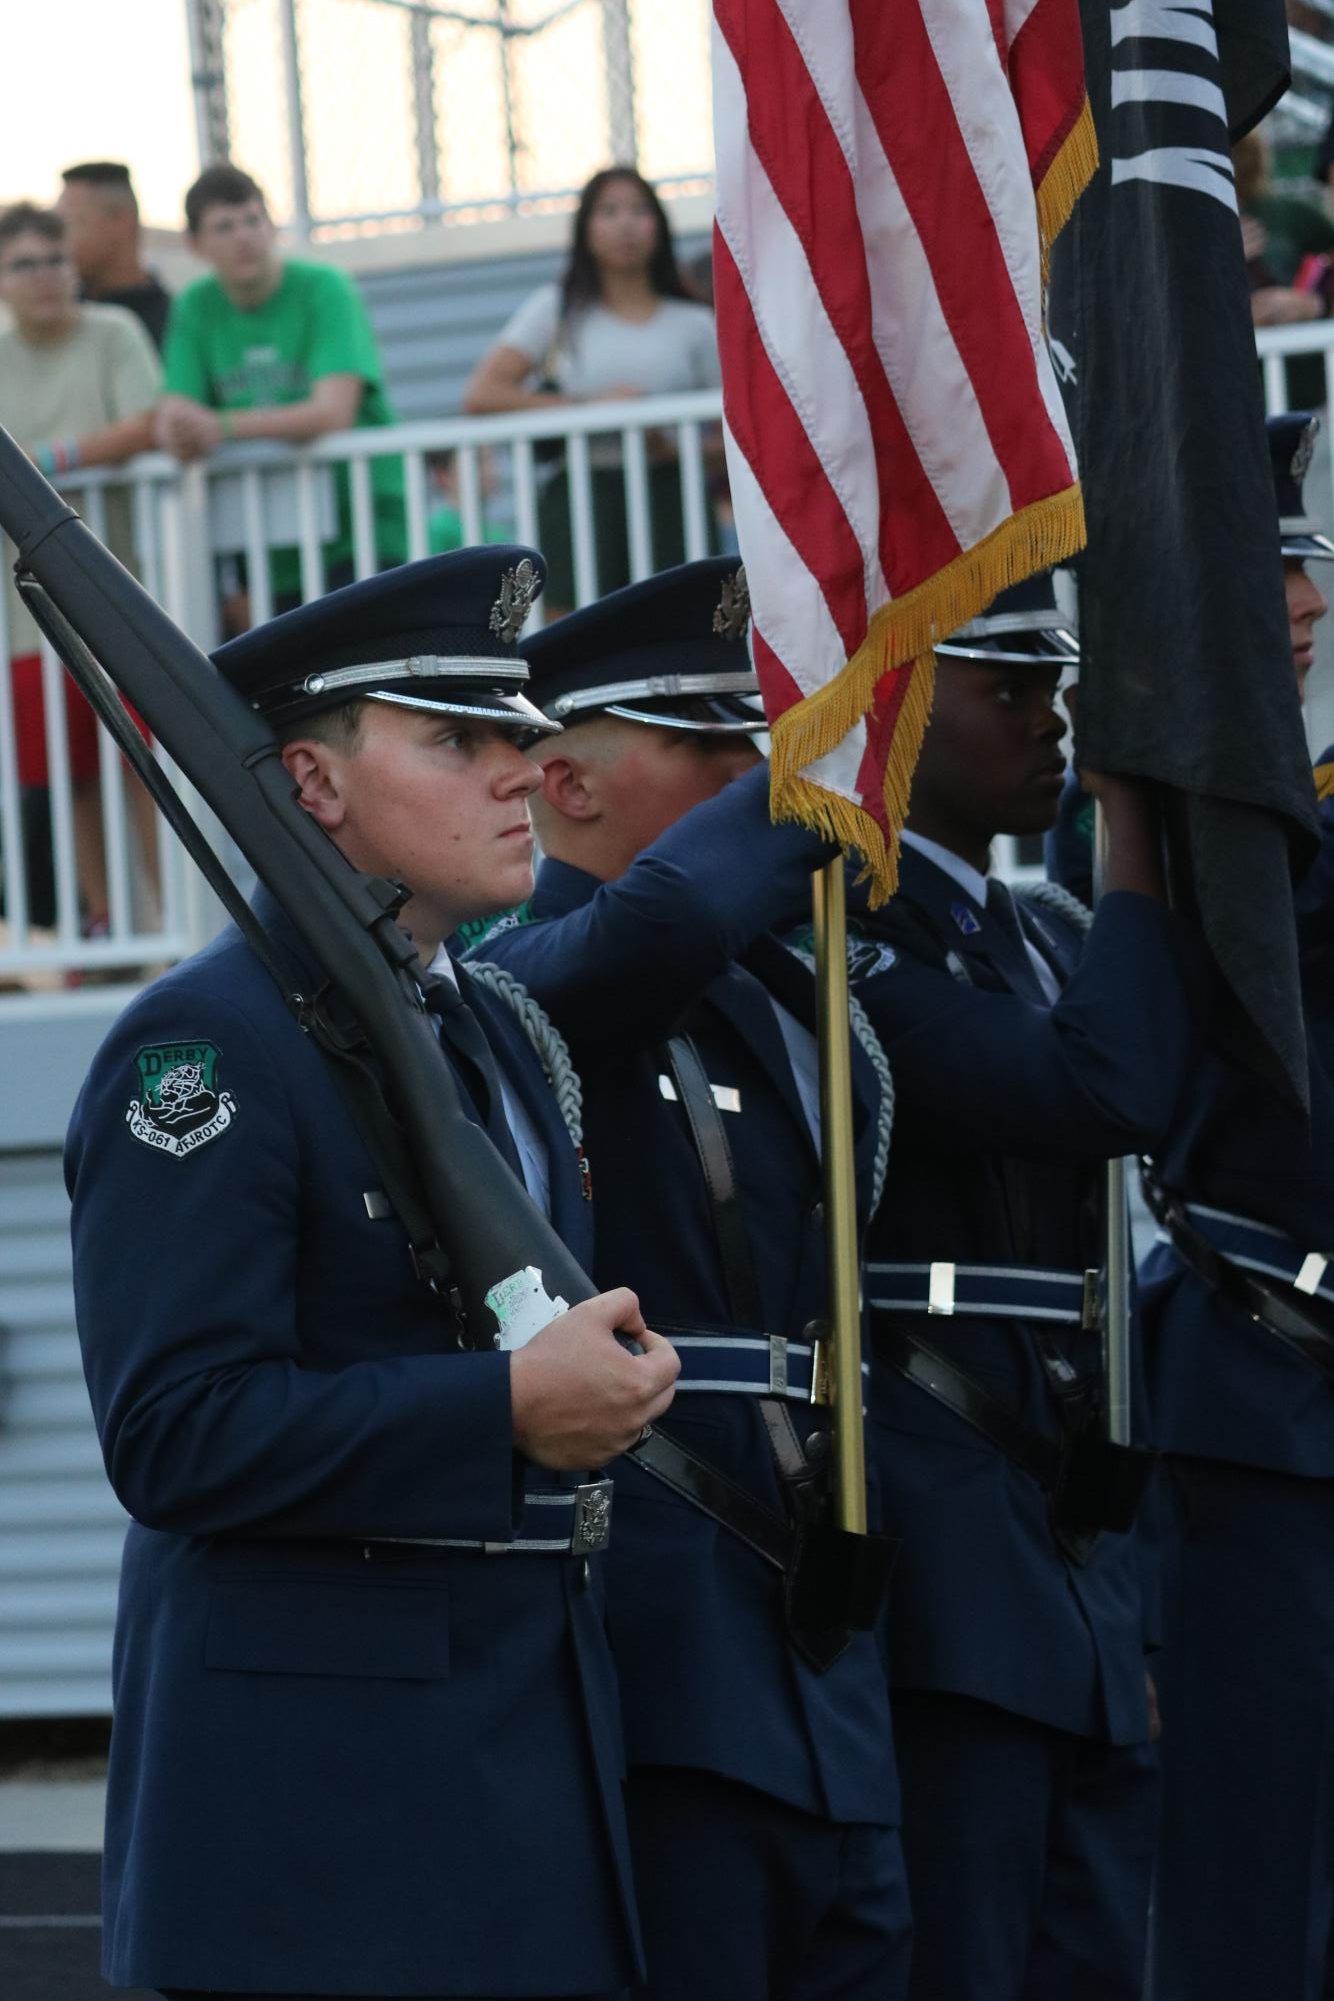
[
  {"x": 309, "y": 766},
  {"x": 566, "y": 788}
]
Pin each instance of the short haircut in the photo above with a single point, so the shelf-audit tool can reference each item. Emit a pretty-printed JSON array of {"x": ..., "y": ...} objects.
[
  {"x": 109, "y": 177},
  {"x": 220, "y": 186},
  {"x": 25, "y": 218},
  {"x": 340, "y": 727}
]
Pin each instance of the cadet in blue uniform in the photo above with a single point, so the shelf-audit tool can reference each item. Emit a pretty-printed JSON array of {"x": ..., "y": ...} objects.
[
  {"x": 366, "y": 1738},
  {"x": 1023, "y": 1057},
  {"x": 762, "y": 1797},
  {"x": 1239, "y": 1314}
]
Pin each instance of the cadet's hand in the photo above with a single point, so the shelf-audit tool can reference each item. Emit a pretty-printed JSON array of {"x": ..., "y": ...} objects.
[
  {"x": 577, "y": 1397},
  {"x": 1134, "y": 832}
]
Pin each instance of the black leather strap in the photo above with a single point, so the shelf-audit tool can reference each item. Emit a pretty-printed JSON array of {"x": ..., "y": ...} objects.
[
  {"x": 961, "y": 1393},
  {"x": 1092, "y": 1484},
  {"x": 715, "y": 1159},
  {"x": 710, "y": 1490},
  {"x": 1281, "y": 1312}
]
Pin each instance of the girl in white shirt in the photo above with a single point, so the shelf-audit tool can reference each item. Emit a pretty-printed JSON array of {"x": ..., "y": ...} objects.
[{"x": 620, "y": 323}]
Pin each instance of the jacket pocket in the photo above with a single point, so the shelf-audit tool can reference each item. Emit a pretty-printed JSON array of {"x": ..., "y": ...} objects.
[{"x": 299, "y": 1625}]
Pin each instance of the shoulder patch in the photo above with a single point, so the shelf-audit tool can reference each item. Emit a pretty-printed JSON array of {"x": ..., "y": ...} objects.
[
  {"x": 869, "y": 956},
  {"x": 966, "y": 919},
  {"x": 179, "y": 1107}
]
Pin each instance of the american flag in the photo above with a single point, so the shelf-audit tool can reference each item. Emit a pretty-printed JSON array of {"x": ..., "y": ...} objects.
[{"x": 888, "y": 179}]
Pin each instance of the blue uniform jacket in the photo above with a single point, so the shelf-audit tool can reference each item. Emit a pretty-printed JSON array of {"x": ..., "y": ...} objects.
[
  {"x": 708, "y": 1678},
  {"x": 337, "y": 1765},
  {"x": 1222, "y": 1387},
  {"x": 985, "y": 1603}
]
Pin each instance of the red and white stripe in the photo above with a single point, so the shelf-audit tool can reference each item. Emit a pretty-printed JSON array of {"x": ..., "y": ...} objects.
[{"x": 889, "y": 402}]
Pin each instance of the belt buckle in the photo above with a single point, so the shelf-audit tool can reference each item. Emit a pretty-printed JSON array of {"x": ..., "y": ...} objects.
[
  {"x": 940, "y": 1288},
  {"x": 1312, "y": 1272},
  {"x": 778, "y": 1365},
  {"x": 592, "y": 1517}
]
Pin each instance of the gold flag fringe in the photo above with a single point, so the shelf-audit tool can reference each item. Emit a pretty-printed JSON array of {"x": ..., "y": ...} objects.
[
  {"x": 900, "y": 638},
  {"x": 1065, "y": 180},
  {"x": 842, "y": 820}
]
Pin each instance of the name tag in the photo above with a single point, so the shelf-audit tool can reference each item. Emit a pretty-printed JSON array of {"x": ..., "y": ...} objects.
[{"x": 725, "y": 1096}]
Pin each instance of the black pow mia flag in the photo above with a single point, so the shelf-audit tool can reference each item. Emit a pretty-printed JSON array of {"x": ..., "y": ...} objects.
[{"x": 1187, "y": 673}]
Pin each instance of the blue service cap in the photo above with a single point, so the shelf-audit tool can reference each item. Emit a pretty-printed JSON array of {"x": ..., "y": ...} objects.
[
  {"x": 670, "y": 651},
  {"x": 439, "y": 634},
  {"x": 1024, "y": 625},
  {"x": 1292, "y": 439}
]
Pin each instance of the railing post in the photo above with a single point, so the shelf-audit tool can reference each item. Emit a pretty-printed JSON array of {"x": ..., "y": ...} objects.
[
  {"x": 296, "y": 123},
  {"x": 513, "y": 138},
  {"x": 208, "y": 80},
  {"x": 423, "y": 110},
  {"x": 618, "y": 63}
]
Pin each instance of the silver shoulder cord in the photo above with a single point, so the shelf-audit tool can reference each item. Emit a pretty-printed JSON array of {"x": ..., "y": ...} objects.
[
  {"x": 553, "y": 1052},
  {"x": 1050, "y": 896},
  {"x": 861, "y": 1027}
]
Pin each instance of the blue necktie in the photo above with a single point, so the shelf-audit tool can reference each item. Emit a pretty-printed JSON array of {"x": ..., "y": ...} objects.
[
  {"x": 475, "y": 1066},
  {"x": 1002, "y": 910}
]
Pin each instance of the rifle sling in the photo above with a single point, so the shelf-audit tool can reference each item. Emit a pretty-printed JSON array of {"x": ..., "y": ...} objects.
[{"x": 941, "y": 1378}]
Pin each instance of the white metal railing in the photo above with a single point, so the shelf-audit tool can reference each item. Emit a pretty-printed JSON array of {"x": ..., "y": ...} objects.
[
  {"x": 86, "y": 825},
  {"x": 187, "y": 525}
]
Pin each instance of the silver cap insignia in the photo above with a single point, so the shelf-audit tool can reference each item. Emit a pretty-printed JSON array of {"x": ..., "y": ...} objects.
[
  {"x": 733, "y": 614},
  {"x": 1301, "y": 458},
  {"x": 518, "y": 588}
]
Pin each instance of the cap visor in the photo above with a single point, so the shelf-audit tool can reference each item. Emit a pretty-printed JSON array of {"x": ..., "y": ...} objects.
[
  {"x": 733, "y": 715},
  {"x": 1052, "y": 647},
  {"x": 513, "y": 712}
]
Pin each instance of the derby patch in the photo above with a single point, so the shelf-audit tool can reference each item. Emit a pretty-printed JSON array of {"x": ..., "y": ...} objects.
[
  {"x": 868, "y": 956},
  {"x": 179, "y": 1107}
]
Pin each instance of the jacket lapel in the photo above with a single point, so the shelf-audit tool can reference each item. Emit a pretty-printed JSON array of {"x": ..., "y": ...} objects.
[{"x": 965, "y": 928}]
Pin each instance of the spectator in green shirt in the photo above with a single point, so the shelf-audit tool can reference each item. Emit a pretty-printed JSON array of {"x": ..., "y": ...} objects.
[{"x": 276, "y": 348}]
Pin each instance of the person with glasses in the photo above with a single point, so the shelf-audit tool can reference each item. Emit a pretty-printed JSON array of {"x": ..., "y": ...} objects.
[{"x": 78, "y": 387}]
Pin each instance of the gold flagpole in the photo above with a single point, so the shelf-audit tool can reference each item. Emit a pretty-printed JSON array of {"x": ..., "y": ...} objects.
[{"x": 829, "y": 908}]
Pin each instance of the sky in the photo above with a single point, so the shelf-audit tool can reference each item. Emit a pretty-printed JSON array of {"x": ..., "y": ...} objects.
[{"x": 97, "y": 79}]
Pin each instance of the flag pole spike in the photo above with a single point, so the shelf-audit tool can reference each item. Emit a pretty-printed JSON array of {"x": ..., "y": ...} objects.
[
  {"x": 1116, "y": 1239},
  {"x": 829, "y": 911}
]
